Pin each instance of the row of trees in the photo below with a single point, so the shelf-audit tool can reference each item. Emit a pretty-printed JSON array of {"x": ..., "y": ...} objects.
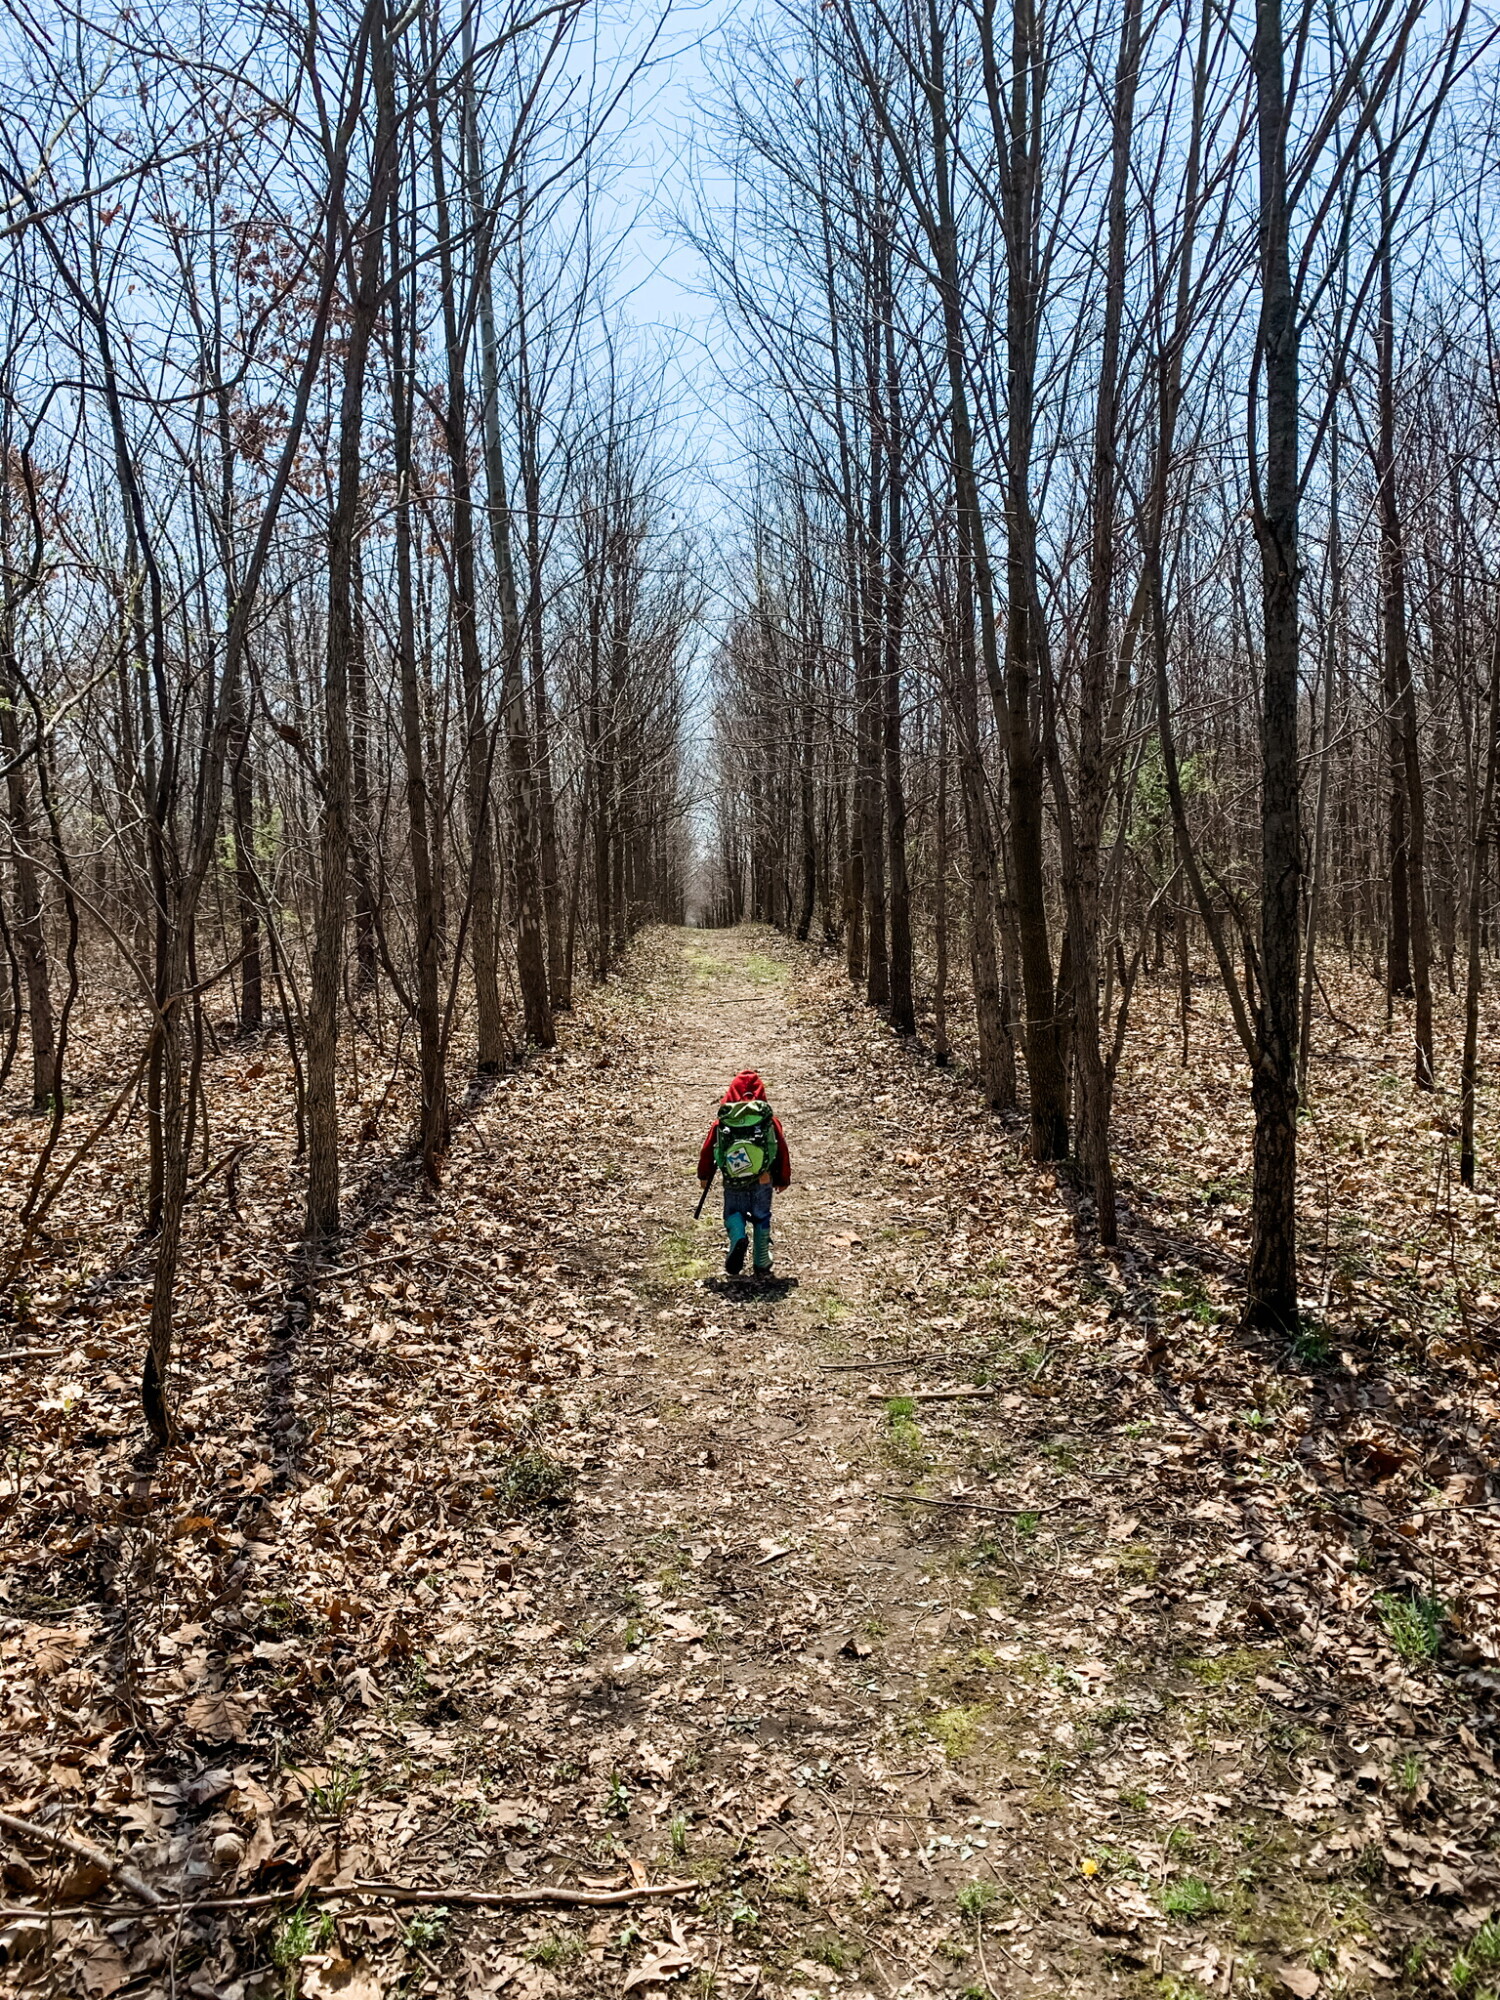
[
  {"x": 1123, "y": 550},
  {"x": 345, "y": 624}
]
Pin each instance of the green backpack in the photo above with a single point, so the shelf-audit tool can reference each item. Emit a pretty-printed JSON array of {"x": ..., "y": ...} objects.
[{"x": 745, "y": 1142}]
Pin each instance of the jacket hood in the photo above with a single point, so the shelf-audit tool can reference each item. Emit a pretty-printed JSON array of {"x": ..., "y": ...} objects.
[{"x": 745, "y": 1088}]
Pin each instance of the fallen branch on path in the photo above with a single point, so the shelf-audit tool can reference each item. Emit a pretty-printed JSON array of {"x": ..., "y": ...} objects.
[
  {"x": 557, "y": 1895},
  {"x": 938, "y": 1395},
  {"x": 854, "y": 1367},
  {"x": 979, "y": 1506},
  {"x": 31, "y": 1353},
  {"x": 84, "y": 1850}
]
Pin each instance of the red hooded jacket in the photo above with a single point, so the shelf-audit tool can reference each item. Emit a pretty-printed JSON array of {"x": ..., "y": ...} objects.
[{"x": 746, "y": 1089}]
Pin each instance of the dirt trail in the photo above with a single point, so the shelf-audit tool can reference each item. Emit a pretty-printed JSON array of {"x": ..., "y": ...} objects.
[
  {"x": 779, "y": 1655},
  {"x": 763, "y": 1615},
  {"x": 909, "y": 1609}
]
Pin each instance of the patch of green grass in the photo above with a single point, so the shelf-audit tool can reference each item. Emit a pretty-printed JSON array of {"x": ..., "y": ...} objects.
[
  {"x": 555, "y": 1952},
  {"x": 616, "y": 1801},
  {"x": 791, "y": 1879},
  {"x": 679, "y": 1253},
  {"x": 763, "y": 970},
  {"x": 1406, "y": 1773},
  {"x": 300, "y": 1931},
  {"x": 976, "y": 1900},
  {"x": 1479, "y": 1956},
  {"x": 424, "y": 1932},
  {"x": 1414, "y": 1625},
  {"x": 904, "y": 1438},
  {"x": 832, "y": 1952},
  {"x": 677, "y": 1833},
  {"x": 533, "y": 1480},
  {"x": 1138, "y": 1561},
  {"x": 1226, "y": 1669},
  {"x": 957, "y": 1728},
  {"x": 1119, "y": 1861},
  {"x": 332, "y": 1797},
  {"x": 1188, "y": 1897},
  {"x": 1311, "y": 1346}
]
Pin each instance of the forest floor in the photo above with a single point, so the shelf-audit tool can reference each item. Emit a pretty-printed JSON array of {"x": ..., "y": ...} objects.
[{"x": 967, "y": 1612}]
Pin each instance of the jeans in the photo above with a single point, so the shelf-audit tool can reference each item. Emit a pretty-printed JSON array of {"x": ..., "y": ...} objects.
[{"x": 754, "y": 1203}]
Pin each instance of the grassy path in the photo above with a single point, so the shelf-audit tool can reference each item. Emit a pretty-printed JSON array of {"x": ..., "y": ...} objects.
[{"x": 970, "y": 1746}]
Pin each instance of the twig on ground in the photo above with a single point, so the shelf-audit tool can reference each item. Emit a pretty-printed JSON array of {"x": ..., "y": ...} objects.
[
  {"x": 31, "y": 1353},
  {"x": 558, "y": 1895},
  {"x": 979, "y": 1506},
  {"x": 84, "y": 1850},
  {"x": 853, "y": 1367},
  {"x": 939, "y": 1395}
]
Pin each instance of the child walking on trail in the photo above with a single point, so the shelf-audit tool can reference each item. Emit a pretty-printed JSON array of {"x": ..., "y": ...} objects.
[{"x": 748, "y": 1148}]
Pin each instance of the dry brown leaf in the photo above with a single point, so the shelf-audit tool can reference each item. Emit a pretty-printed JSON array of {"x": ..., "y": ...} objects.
[
  {"x": 339, "y": 1979},
  {"x": 218, "y": 1718},
  {"x": 1299, "y": 1979},
  {"x": 660, "y": 1967}
]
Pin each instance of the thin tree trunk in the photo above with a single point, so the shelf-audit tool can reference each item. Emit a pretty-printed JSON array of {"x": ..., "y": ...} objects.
[
  {"x": 531, "y": 956},
  {"x": 433, "y": 1129},
  {"x": 1397, "y": 649},
  {"x": 902, "y": 999},
  {"x": 322, "y": 1220},
  {"x": 246, "y": 882},
  {"x": 940, "y": 904},
  {"x": 1273, "y": 1255},
  {"x": 1484, "y": 827},
  {"x": 489, "y": 1020}
]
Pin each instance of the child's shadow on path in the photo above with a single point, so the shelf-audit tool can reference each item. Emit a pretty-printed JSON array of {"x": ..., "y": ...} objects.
[{"x": 749, "y": 1290}]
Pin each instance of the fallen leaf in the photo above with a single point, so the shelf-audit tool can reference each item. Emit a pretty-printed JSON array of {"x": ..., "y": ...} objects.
[
  {"x": 341, "y": 1979},
  {"x": 101, "y": 1968},
  {"x": 218, "y": 1718},
  {"x": 660, "y": 1967},
  {"x": 51, "y": 1651},
  {"x": 86, "y": 1879},
  {"x": 1299, "y": 1979}
]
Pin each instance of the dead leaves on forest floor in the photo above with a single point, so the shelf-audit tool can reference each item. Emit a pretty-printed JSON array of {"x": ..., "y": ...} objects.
[{"x": 520, "y": 1558}]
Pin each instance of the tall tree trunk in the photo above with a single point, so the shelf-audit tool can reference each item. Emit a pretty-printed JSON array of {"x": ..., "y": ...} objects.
[
  {"x": 27, "y": 929},
  {"x": 322, "y": 1219},
  {"x": 1081, "y": 831},
  {"x": 940, "y": 903},
  {"x": 478, "y": 737},
  {"x": 531, "y": 956},
  {"x": 361, "y": 831},
  {"x": 246, "y": 881},
  {"x": 902, "y": 998},
  {"x": 997, "y": 1068},
  {"x": 1273, "y": 1255},
  {"x": 1397, "y": 648},
  {"x": 434, "y": 1123},
  {"x": 1483, "y": 825},
  {"x": 1016, "y": 120}
]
